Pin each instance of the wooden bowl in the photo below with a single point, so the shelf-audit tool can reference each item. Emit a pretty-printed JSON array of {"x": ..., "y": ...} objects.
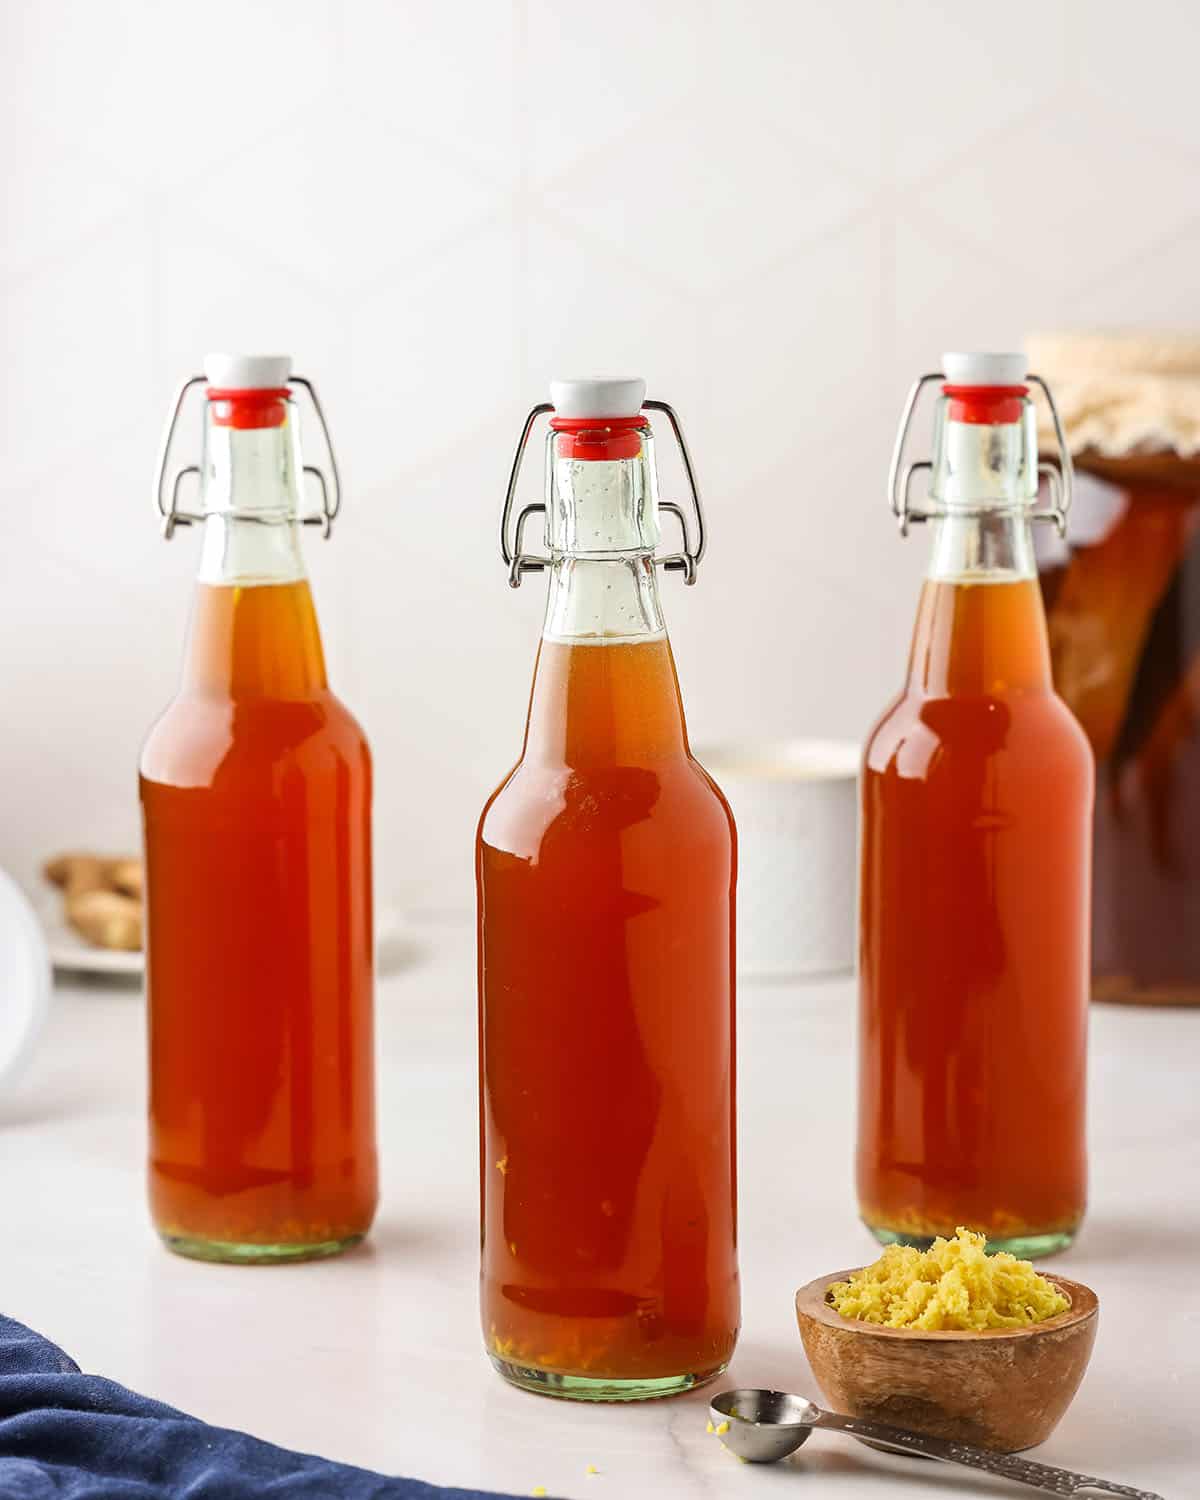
[{"x": 1005, "y": 1389}]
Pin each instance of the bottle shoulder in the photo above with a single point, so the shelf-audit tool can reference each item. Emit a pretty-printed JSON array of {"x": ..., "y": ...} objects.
[
  {"x": 676, "y": 793},
  {"x": 921, "y": 735},
  {"x": 197, "y": 734}
]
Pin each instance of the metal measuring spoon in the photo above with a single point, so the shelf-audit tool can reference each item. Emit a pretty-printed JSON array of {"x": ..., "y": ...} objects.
[{"x": 764, "y": 1426}]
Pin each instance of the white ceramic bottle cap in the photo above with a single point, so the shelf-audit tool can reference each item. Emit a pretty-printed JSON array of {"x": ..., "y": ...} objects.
[
  {"x": 247, "y": 372},
  {"x": 985, "y": 369},
  {"x": 597, "y": 398}
]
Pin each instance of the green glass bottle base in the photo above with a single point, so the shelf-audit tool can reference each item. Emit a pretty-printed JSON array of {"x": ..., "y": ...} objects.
[
  {"x": 1023, "y": 1246},
  {"x": 598, "y": 1388},
  {"x": 232, "y": 1252}
]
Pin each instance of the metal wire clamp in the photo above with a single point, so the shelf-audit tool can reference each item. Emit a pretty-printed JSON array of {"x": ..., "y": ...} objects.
[
  {"x": 519, "y": 562},
  {"x": 172, "y": 516},
  {"x": 1059, "y": 477}
]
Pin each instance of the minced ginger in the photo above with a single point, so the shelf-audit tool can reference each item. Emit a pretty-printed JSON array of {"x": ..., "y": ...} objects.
[{"x": 954, "y": 1284}]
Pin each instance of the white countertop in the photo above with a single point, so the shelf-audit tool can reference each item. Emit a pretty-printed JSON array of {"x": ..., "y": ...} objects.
[{"x": 376, "y": 1358}]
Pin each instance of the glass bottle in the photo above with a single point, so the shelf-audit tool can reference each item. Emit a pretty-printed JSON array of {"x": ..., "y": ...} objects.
[
  {"x": 256, "y": 800},
  {"x": 1123, "y": 606},
  {"x": 606, "y": 868},
  {"x": 976, "y": 861}
]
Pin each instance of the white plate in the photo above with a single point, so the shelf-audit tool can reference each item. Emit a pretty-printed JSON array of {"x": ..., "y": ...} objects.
[
  {"x": 70, "y": 952},
  {"x": 395, "y": 947}
]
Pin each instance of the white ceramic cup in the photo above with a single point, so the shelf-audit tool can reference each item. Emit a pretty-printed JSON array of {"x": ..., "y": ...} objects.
[
  {"x": 24, "y": 979},
  {"x": 796, "y": 806}
]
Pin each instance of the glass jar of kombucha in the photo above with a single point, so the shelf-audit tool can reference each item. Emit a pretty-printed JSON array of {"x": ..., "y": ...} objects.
[
  {"x": 256, "y": 800},
  {"x": 1123, "y": 600},
  {"x": 606, "y": 866},
  {"x": 975, "y": 861}
]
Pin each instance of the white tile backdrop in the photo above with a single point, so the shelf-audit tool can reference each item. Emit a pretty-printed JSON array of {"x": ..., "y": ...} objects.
[{"x": 777, "y": 212}]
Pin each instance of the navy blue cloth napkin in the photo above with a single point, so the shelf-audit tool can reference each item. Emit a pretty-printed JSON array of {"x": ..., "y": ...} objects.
[{"x": 69, "y": 1436}]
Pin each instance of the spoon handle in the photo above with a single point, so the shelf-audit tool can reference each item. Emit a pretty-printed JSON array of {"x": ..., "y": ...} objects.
[{"x": 1010, "y": 1465}]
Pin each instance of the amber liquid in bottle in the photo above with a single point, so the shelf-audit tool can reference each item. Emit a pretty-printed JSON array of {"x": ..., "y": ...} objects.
[
  {"x": 605, "y": 869},
  {"x": 256, "y": 796},
  {"x": 976, "y": 808}
]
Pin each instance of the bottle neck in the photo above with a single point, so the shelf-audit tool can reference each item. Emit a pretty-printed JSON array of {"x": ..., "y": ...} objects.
[
  {"x": 254, "y": 643},
  {"x": 981, "y": 625},
  {"x": 251, "y": 505},
  {"x": 996, "y": 546},
  {"x": 254, "y": 631},
  {"x": 605, "y": 706},
  {"x": 601, "y": 532},
  {"x": 603, "y": 601},
  {"x": 605, "y": 691}
]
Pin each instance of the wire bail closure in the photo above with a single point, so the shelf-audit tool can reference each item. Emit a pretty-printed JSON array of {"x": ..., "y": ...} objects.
[
  {"x": 1059, "y": 478},
  {"x": 520, "y": 562},
  {"x": 169, "y": 510}
]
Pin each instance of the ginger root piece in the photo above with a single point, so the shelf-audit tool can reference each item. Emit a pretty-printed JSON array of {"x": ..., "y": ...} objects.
[
  {"x": 76, "y": 873},
  {"x": 102, "y": 897},
  {"x": 126, "y": 876},
  {"x": 106, "y": 918}
]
